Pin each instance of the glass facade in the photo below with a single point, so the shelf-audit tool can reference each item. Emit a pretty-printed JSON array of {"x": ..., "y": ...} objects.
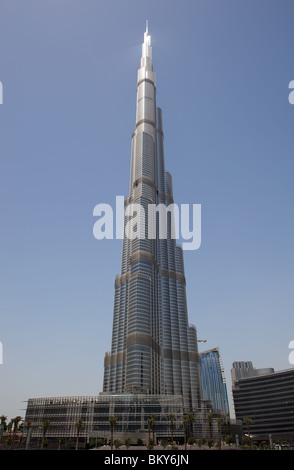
[
  {"x": 153, "y": 349},
  {"x": 213, "y": 384},
  {"x": 132, "y": 412}
]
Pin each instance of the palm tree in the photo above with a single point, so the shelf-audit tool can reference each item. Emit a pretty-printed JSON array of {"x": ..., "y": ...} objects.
[
  {"x": 228, "y": 423},
  {"x": 3, "y": 426},
  {"x": 153, "y": 419},
  {"x": 185, "y": 424},
  {"x": 191, "y": 418},
  {"x": 29, "y": 424},
  {"x": 127, "y": 442},
  {"x": 209, "y": 416},
  {"x": 9, "y": 428},
  {"x": 218, "y": 420},
  {"x": 79, "y": 425},
  {"x": 248, "y": 422},
  {"x": 112, "y": 422},
  {"x": 16, "y": 420},
  {"x": 149, "y": 424},
  {"x": 3, "y": 420},
  {"x": 46, "y": 425},
  {"x": 172, "y": 423},
  {"x": 224, "y": 418}
]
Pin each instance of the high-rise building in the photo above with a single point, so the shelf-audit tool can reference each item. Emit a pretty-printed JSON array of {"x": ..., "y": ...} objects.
[
  {"x": 213, "y": 384},
  {"x": 153, "y": 368},
  {"x": 154, "y": 349}
]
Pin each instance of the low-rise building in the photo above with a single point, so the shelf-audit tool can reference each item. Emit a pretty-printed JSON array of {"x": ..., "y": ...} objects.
[{"x": 267, "y": 399}]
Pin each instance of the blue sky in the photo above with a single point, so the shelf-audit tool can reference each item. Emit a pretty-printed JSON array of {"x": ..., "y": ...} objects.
[{"x": 69, "y": 69}]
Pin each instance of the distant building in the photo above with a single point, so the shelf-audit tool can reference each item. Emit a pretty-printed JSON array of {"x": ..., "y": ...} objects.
[
  {"x": 213, "y": 386},
  {"x": 267, "y": 399},
  {"x": 243, "y": 369}
]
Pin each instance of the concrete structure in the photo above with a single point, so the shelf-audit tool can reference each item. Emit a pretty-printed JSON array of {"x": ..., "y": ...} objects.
[{"x": 267, "y": 399}]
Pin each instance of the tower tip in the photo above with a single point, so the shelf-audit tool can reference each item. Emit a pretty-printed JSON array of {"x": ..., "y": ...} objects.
[{"x": 147, "y": 26}]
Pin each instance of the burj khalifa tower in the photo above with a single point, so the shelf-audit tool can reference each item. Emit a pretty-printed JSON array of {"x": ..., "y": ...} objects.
[{"x": 154, "y": 349}]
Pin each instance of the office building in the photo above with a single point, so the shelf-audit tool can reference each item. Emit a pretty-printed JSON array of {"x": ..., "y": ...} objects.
[
  {"x": 131, "y": 412},
  {"x": 213, "y": 385},
  {"x": 268, "y": 400},
  {"x": 243, "y": 369}
]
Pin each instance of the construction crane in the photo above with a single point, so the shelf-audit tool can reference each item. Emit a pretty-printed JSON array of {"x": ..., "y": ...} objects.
[{"x": 202, "y": 340}]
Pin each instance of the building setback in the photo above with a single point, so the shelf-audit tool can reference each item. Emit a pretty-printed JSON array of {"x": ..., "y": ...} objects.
[{"x": 268, "y": 400}]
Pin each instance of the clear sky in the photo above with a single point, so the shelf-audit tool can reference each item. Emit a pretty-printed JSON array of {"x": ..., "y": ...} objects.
[{"x": 69, "y": 70}]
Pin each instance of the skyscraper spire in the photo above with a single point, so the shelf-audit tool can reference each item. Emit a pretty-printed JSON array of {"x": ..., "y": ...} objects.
[{"x": 146, "y": 59}]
